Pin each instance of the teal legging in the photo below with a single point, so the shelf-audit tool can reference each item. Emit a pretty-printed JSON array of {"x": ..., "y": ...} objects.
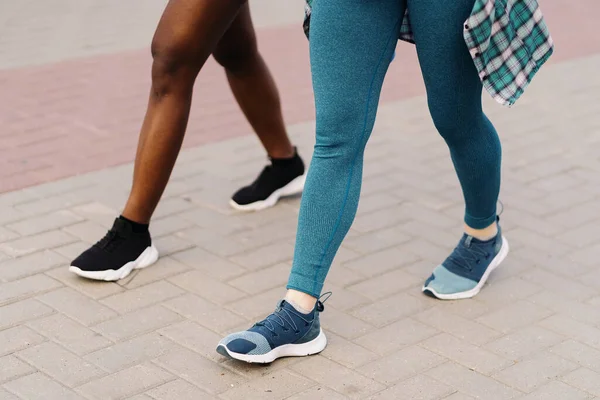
[{"x": 351, "y": 46}]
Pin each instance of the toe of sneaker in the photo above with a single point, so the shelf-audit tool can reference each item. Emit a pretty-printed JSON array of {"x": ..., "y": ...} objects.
[{"x": 443, "y": 281}]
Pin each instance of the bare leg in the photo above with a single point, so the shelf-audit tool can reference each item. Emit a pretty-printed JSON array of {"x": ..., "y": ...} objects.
[
  {"x": 248, "y": 75},
  {"x": 187, "y": 34}
]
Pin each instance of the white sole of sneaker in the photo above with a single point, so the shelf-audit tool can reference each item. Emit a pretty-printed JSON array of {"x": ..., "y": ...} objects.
[
  {"x": 315, "y": 346},
  {"x": 146, "y": 259},
  {"x": 473, "y": 292},
  {"x": 294, "y": 187}
]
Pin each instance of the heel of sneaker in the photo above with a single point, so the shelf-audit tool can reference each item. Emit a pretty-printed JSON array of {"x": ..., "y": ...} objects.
[{"x": 147, "y": 258}]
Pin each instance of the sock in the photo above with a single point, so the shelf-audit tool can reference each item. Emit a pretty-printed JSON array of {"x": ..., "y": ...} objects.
[
  {"x": 136, "y": 227},
  {"x": 298, "y": 307},
  {"x": 283, "y": 162}
]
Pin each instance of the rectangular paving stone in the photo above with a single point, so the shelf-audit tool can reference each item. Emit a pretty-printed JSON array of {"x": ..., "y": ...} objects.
[
  {"x": 216, "y": 267},
  {"x": 341, "y": 276},
  {"x": 579, "y": 353},
  {"x": 378, "y": 240},
  {"x": 48, "y": 222},
  {"x": 128, "y": 353},
  {"x": 6, "y": 235},
  {"x": 566, "y": 326},
  {"x": 205, "y": 286},
  {"x": 200, "y": 371},
  {"x": 180, "y": 390},
  {"x": 13, "y": 368},
  {"x": 346, "y": 352},
  {"x": 277, "y": 385},
  {"x": 4, "y": 395},
  {"x": 523, "y": 342},
  {"x": 582, "y": 312},
  {"x": 164, "y": 268},
  {"x": 35, "y": 243},
  {"x": 86, "y": 231},
  {"x": 470, "y": 356},
  {"x": 459, "y": 396},
  {"x": 339, "y": 378},
  {"x": 204, "y": 312},
  {"x": 471, "y": 382},
  {"x": 22, "y": 311},
  {"x": 261, "y": 280},
  {"x": 318, "y": 393},
  {"x": 398, "y": 335},
  {"x": 125, "y": 383},
  {"x": 25, "y": 287},
  {"x": 70, "y": 334},
  {"x": 458, "y": 326},
  {"x": 557, "y": 390},
  {"x": 92, "y": 289},
  {"x": 219, "y": 245},
  {"x": 385, "y": 285},
  {"x": 195, "y": 337},
  {"x": 507, "y": 291},
  {"x": 420, "y": 387},
  {"x": 258, "y": 306},
  {"x": 171, "y": 244},
  {"x": 18, "y": 338},
  {"x": 265, "y": 256},
  {"x": 401, "y": 365},
  {"x": 514, "y": 316},
  {"x": 40, "y": 387},
  {"x": 344, "y": 324},
  {"x": 77, "y": 306},
  {"x": 388, "y": 310},
  {"x": 169, "y": 225},
  {"x": 141, "y": 297},
  {"x": 137, "y": 322},
  {"x": 382, "y": 261},
  {"x": 60, "y": 364},
  {"x": 557, "y": 284},
  {"x": 344, "y": 299},
  {"x": 535, "y": 371},
  {"x": 30, "y": 264},
  {"x": 584, "y": 379}
]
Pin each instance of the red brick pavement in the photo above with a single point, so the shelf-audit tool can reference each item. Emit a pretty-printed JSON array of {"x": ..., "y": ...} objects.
[{"x": 83, "y": 115}]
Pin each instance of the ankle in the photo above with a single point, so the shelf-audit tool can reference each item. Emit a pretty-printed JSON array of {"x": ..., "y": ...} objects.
[
  {"x": 286, "y": 153},
  {"x": 136, "y": 226},
  {"x": 484, "y": 234},
  {"x": 302, "y": 302}
]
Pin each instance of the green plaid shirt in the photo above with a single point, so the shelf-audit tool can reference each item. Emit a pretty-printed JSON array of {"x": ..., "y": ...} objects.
[{"x": 508, "y": 41}]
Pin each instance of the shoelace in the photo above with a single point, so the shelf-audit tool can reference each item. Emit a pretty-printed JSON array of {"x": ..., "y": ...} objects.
[
  {"x": 282, "y": 316},
  {"x": 468, "y": 252},
  {"x": 264, "y": 174},
  {"x": 110, "y": 241}
]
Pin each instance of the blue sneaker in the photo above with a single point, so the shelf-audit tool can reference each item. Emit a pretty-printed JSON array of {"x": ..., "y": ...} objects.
[
  {"x": 466, "y": 270},
  {"x": 285, "y": 333}
]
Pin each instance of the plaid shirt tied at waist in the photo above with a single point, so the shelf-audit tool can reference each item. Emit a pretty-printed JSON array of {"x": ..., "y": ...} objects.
[{"x": 508, "y": 41}]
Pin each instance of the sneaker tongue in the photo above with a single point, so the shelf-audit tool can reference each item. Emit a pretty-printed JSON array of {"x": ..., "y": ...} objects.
[{"x": 123, "y": 227}]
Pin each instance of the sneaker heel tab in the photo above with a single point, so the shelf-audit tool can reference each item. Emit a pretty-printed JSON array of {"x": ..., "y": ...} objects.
[{"x": 321, "y": 301}]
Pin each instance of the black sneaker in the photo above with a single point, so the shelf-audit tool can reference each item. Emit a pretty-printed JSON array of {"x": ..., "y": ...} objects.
[
  {"x": 116, "y": 255},
  {"x": 284, "y": 177}
]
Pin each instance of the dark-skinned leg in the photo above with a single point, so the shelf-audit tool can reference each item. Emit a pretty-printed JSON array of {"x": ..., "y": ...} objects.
[
  {"x": 248, "y": 75},
  {"x": 186, "y": 36},
  {"x": 256, "y": 93}
]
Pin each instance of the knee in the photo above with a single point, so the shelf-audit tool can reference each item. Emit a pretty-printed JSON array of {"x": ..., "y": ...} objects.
[
  {"x": 172, "y": 66},
  {"x": 340, "y": 134},
  {"x": 451, "y": 123}
]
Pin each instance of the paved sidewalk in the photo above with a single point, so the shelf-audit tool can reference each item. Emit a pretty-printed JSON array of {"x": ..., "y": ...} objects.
[{"x": 533, "y": 333}]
